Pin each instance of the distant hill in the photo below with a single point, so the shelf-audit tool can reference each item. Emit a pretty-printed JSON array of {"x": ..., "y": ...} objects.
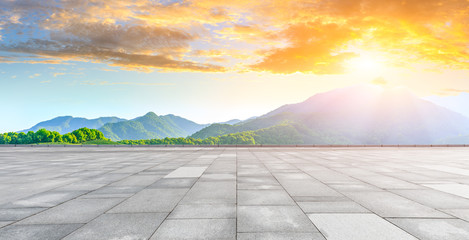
[
  {"x": 68, "y": 124},
  {"x": 359, "y": 115},
  {"x": 231, "y": 122},
  {"x": 457, "y": 103},
  {"x": 151, "y": 126}
]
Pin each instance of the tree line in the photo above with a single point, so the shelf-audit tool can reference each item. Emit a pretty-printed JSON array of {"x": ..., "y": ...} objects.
[
  {"x": 280, "y": 134},
  {"x": 45, "y": 136},
  {"x": 238, "y": 138},
  {"x": 84, "y": 135}
]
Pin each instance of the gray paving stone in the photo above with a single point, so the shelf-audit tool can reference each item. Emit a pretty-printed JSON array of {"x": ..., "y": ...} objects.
[
  {"x": 174, "y": 183},
  {"x": 357, "y": 227},
  {"x": 211, "y": 192},
  {"x": 387, "y": 204},
  {"x": 264, "y": 197},
  {"x": 433, "y": 198},
  {"x": 120, "y": 226},
  {"x": 331, "y": 207},
  {"x": 218, "y": 177},
  {"x": 80, "y": 186},
  {"x": 307, "y": 188},
  {"x": 186, "y": 172},
  {"x": 273, "y": 219},
  {"x": 113, "y": 190},
  {"x": 386, "y": 182},
  {"x": 197, "y": 229},
  {"x": 46, "y": 199},
  {"x": 357, "y": 187},
  {"x": 37, "y": 231},
  {"x": 4, "y": 223},
  {"x": 74, "y": 211},
  {"x": 258, "y": 182},
  {"x": 137, "y": 180},
  {"x": 151, "y": 200},
  {"x": 204, "y": 211},
  {"x": 280, "y": 236},
  {"x": 461, "y": 190},
  {"x": 434, "y": 229},
  {"x": 426, "y": 189},
  {"x": 14, "y": 214},
  {"x": 459, "y": 213},
  {"x": 255, "y": 186},
  {"x": 321, "y": 198}
]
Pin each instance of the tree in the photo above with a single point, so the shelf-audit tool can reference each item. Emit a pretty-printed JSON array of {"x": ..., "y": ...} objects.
[{"x": 42, "y": 135}]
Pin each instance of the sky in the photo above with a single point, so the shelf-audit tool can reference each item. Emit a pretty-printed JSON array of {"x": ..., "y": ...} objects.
[{"x": 212, "y": 61}]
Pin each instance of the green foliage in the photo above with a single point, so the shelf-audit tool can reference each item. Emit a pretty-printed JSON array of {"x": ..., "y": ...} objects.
[
  {"x": 150, "y": 126},
  {"x": 280, "y": 134},
  {"x": 253, "y": 125},
  {"x": 215, "y": 130},
  {"x": 285, "y": 133},
  {"x": 45, "y": 136}
]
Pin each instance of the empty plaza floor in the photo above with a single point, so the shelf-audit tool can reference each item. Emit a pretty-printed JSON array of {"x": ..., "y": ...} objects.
[{"x": 233, "y": 193}]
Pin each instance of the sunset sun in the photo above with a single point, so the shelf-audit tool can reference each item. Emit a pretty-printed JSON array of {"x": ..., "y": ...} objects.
[{"x": 366, "y": 64}]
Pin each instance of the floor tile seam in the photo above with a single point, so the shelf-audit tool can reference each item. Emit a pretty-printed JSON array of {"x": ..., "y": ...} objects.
[
  {"x": 47, "y": 208},
  {"x": 81, "y": 194},
  {"x": 442, "y": 210},
  {"x": 270, "y": 205},
  {"x": 371, "y": 212},
  {"x": 201, "y": 218},
  {"x": 124, "y": 199},
  {"x": 385, "y": 219},
  {"x": 185, "y": 194},
  {"x": 281, "y": 232},
  {"x": 396, "y": 194},
  {"x": 236, "y": 190},
  {"x": 360, "y": 180},
  {"x": 455, "y": 218},
  {"x": 296, "y": 204}
]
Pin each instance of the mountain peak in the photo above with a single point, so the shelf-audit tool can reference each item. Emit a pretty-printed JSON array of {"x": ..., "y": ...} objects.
[{"x": 150, "y": 114}]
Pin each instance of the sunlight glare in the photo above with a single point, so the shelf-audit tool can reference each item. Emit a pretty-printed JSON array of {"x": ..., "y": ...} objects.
[{"x": 366, "y": 63}]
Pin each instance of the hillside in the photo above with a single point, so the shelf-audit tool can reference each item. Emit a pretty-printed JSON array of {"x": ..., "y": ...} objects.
[
  {"x": 151, "y": 126},
  {"x": 66, "y": 124},
  {"x": 360, "y": 115},
  {"x": 456, "y": 103}
]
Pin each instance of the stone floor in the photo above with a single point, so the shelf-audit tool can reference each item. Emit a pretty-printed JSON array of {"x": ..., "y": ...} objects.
[{"x": 234, "y": 193}]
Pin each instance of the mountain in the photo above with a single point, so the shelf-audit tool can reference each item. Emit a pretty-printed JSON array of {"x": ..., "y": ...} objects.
[
  {"x": 231, "y": 122},
  {"x": 457, "y": 103},
  {"x": 359, "y": 115},
  {"x": 68, "y": 124},
  {"x": 151, "y": 126}
]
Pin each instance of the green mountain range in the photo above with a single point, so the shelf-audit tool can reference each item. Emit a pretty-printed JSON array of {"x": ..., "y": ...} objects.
[
  {"x": 354, "y": 115},
  {"x": 151, "y": 126},
  {"x": 66, "y": 124}
]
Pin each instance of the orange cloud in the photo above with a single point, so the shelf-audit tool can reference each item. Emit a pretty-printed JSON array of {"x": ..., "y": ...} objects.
[
  {"x": 314, "y": 48},
  {"x": 275, "y": 36}
]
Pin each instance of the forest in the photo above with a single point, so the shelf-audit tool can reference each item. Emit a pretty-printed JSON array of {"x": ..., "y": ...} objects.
[{"x": 81, "y": 135}]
